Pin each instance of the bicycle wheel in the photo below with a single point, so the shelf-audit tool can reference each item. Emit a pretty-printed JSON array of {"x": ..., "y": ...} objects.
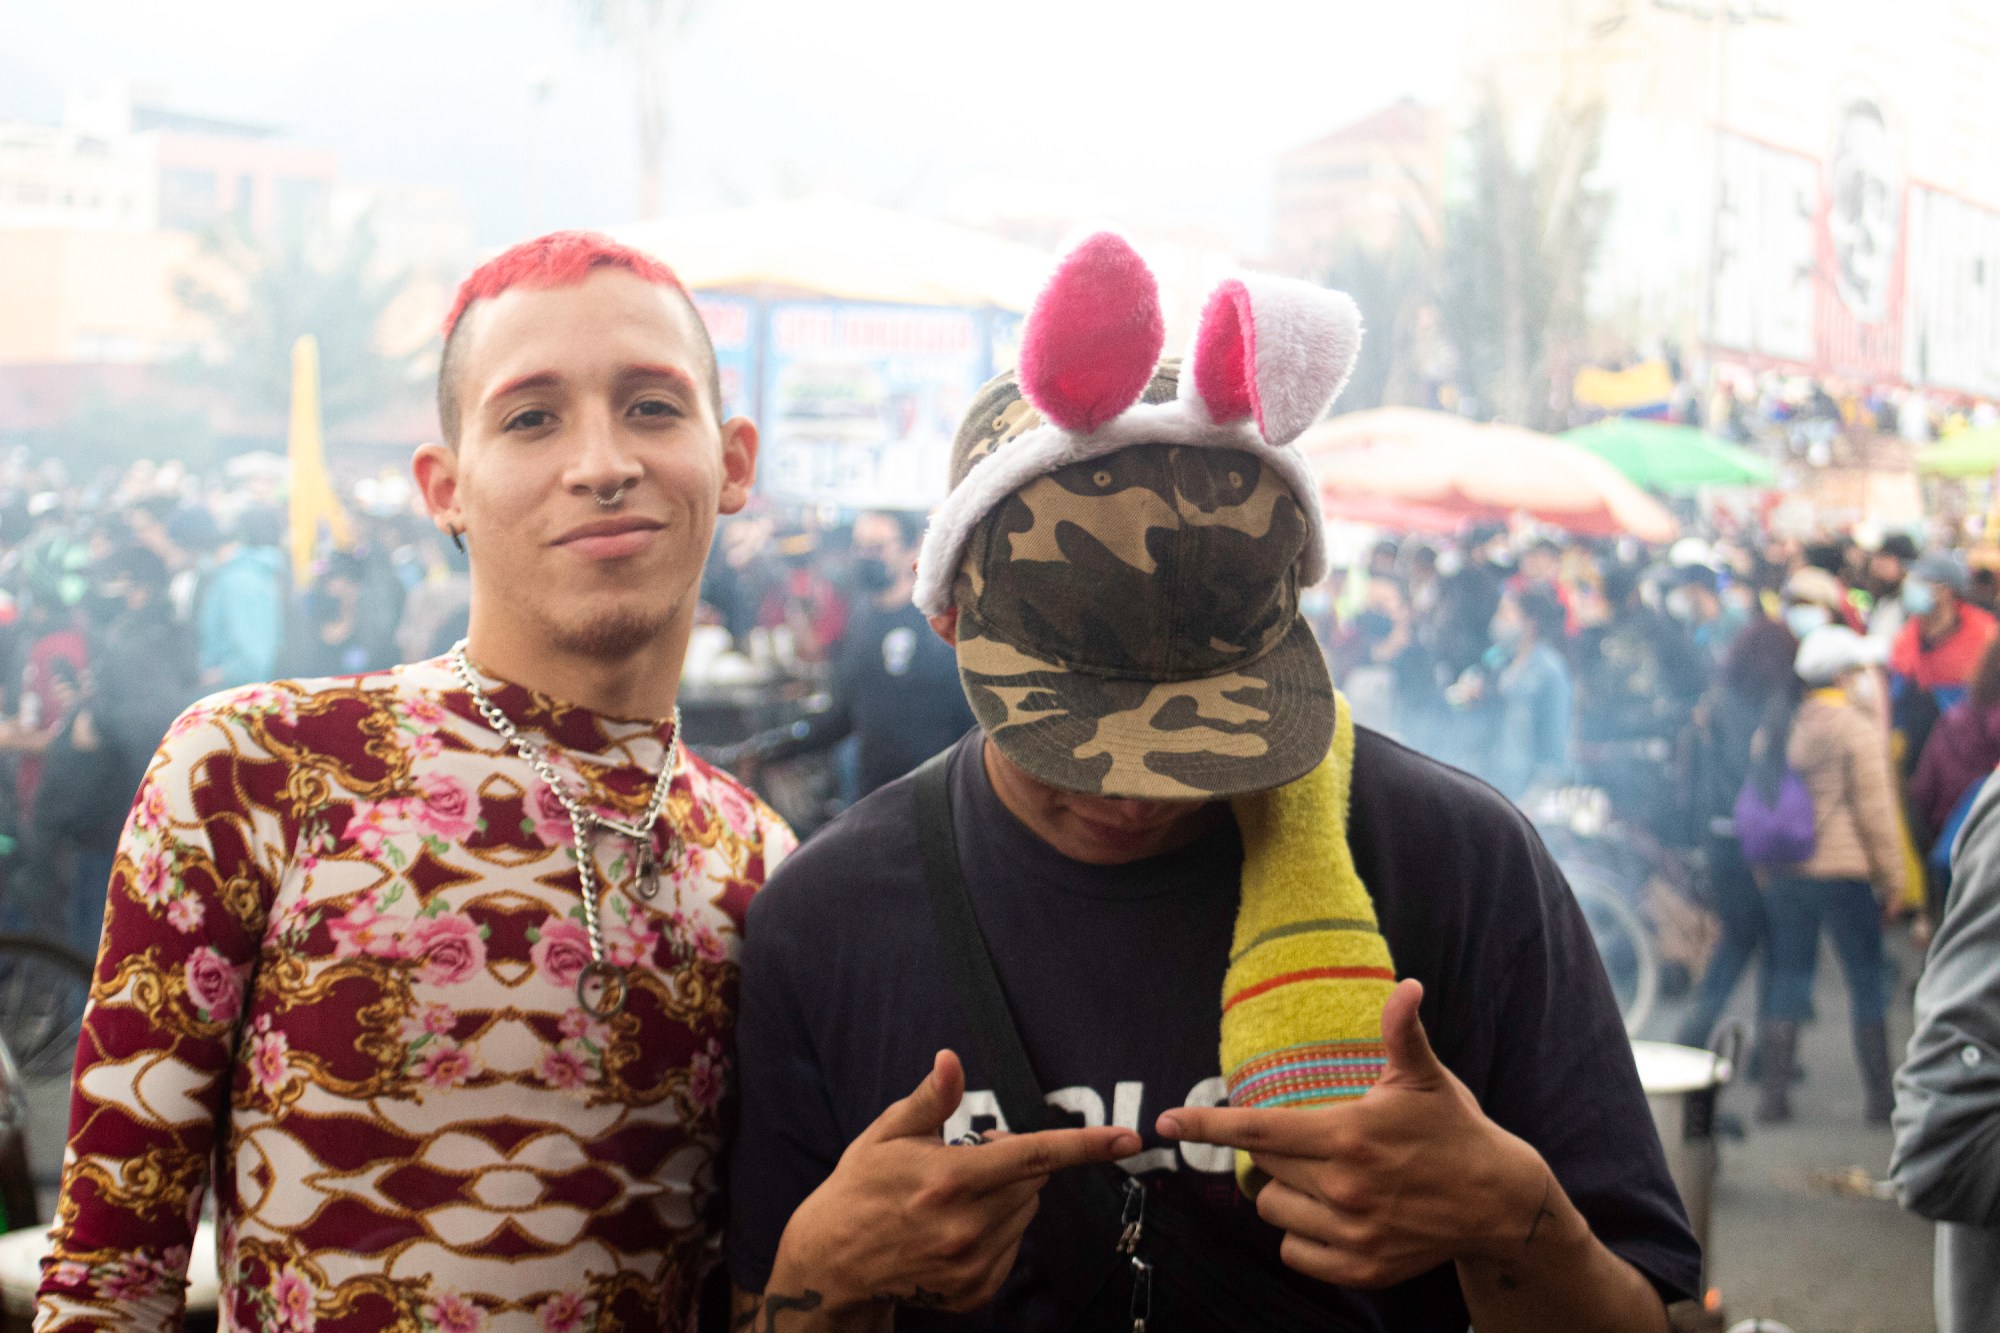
[
  {"x": 1631, "y": 960},
  {"x": 43, "y": 989}
]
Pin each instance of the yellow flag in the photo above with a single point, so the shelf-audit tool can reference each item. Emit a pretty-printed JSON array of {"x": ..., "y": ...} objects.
[
  {"x": 313, "y": 500},
  {"x": 1644, "y": 385}
]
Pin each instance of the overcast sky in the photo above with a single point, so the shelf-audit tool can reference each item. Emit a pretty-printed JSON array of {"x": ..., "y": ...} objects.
[{"x": 1168, "y": 112}]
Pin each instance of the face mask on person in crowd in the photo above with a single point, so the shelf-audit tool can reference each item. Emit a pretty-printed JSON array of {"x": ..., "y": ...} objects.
[
  {"x": 1449, "y": 563},
  {"x": 1374, "y": 626},
  {"x": 1919, "y": 598},
  {"x": 1804, "y": 618},
  {"x": 1680, "y": 605},
  {"x": 872, "y": 575}
]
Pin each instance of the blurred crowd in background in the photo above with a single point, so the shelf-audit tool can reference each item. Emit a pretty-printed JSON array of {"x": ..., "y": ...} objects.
[
  {"x": 126, "y": 597},
  {"x": 1654, "y": 679}
]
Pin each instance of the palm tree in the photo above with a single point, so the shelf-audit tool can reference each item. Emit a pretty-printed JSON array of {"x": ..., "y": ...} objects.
[
  {"x": 642, "y": 30},
  {"x": 1514, "y": 260},
  {"x": 258, "y": 297}
]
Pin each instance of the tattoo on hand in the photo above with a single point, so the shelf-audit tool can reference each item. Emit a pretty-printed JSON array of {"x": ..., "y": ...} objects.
[
  {"x": 771, "y": 1306},
  {"x": 1541, "y": 1210}
]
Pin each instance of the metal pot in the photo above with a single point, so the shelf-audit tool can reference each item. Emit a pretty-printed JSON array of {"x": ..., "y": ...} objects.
[{"x": 1682, "y": 1085}]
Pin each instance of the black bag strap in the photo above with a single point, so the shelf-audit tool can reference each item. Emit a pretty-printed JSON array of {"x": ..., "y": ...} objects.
[
  {"x": 967, "y": 958},
  {"x": 1083, "y": 1196},
  {"x": 1214, "y": 1290}
]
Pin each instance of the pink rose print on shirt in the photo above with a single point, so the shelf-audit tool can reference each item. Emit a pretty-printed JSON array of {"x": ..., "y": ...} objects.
[
  {"x": 436, "y": 1020},
  {"x": 184, "y": 914},
  {"x": 131, "y": 1281},
  {"x": 292, "y": 1302},
  {"x": 213, "y": 985},
  {"x": 371, "y": 823},
  {"x": 363, "y": 929},
  {"x": 705, "y": 943},
  {"x": 564, "y": 1067},
  {"x": 564, "y": 1312},
  {"x": 632, "y": 944},
  {"x": 730, "y": 804},
  {"x": 446, "y": 807},
  {"x": 150, "y": 811},
  {"x": 152, "y": 879},
  {"x": 445, "y": 1064},
  {"x": 562, "y": 952},
  {"x": 270, "y": 1053},
  {"x": 266, "y": 699},
  {"x": 452, "y": 1313},
  {"x": 449, "y": 947},
  {"x": 547, "y": 817},
  {"x": 708, "y": 1076},
  {"x": 423, "y": 712},
  {"x": 68, "y": 1275}
]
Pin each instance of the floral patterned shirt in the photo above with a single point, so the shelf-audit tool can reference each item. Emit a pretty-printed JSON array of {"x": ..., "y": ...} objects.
[{"x": 339, "y": 962}]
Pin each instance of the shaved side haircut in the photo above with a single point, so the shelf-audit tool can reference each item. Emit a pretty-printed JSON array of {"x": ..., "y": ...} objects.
[{"x": 560, "y": 259}]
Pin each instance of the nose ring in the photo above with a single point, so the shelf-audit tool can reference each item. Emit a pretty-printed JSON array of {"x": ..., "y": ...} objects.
[{"x": 612, "y": 499}]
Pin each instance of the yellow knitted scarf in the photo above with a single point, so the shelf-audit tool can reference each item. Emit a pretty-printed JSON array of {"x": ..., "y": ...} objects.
[{"x": 1308, "y": 969}]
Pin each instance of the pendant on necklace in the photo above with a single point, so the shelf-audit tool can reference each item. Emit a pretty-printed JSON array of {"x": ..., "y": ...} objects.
[{"x": 647, "y": 884}]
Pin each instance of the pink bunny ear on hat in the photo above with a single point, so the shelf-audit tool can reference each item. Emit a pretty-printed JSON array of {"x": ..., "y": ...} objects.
[
  {"x": 1090, "y": 344},
  {"x": 1273, "y": 350}
]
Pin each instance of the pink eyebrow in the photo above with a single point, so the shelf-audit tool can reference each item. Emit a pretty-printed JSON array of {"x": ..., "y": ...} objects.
[
  {"x": 680, "y": 377},
  {"x": 540, "y": 379}
]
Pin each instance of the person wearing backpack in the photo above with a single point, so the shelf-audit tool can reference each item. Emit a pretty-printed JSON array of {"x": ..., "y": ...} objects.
[
  {"x": 1756, "y": 675},
  {"x": 1836, "y": 756}
]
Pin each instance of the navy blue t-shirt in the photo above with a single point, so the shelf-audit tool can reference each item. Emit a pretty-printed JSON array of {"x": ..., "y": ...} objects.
[{"x": 1114, "y": 978}]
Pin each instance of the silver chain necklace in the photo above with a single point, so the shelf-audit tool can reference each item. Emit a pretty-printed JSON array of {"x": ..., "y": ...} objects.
[{"x": 602, "y": 986}]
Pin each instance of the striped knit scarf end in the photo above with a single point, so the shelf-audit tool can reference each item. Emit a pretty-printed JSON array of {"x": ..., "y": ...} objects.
[{"x": 1309, "y": 970}]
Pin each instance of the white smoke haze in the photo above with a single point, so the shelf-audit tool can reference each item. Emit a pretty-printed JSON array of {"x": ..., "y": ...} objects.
[{"x": 1167, "y": 113}]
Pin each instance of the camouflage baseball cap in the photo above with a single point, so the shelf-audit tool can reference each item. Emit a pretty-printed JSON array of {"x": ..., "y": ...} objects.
[{"x": 1128, "y": 624}]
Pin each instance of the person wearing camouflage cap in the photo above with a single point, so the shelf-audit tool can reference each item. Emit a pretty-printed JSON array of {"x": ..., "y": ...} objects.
[{"x": 1166, "y": 827}]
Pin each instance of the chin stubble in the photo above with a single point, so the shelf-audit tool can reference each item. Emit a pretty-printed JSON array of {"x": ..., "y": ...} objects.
[{"x": 612, "y": 635}]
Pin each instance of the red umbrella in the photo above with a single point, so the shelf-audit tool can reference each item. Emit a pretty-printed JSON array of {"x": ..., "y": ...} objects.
[{"x": 1407, "y": 468}]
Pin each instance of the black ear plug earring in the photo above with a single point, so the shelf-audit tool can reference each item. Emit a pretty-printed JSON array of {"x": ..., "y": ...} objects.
[{"x": 458, "y": 539}]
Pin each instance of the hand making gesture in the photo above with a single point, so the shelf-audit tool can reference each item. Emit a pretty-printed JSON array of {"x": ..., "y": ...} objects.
[
  {"x": 1412, "y": 1175},
  {"x": 907, "y": 1218}
]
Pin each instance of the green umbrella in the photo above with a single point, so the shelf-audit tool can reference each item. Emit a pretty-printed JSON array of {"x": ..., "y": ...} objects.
[
  {"x": 1675, "y": 459},
  {"x": 1970, "y": 453}
]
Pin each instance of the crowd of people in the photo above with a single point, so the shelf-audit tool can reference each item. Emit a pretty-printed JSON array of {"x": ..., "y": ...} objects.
[
  {"x": 492, "y": 913},
  {"x": 1861, "y": 685},
  {"x": 127, "y": 597},
  {"x": 1537, "y": 661}
]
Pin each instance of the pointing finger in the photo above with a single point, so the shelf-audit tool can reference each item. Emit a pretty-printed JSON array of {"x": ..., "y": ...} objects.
[
  {"x": 1253, "y": 1129},
  {"x": 1021, "y": 1157}
]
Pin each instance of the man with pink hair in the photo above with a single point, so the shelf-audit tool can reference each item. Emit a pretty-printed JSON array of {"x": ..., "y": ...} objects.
[{"x": 438, "y": 964}]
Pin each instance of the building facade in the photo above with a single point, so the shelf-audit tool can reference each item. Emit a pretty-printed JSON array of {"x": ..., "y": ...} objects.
[
  {"x": 1801, "y": 185},
  {"x": 1362, "y": 185}
]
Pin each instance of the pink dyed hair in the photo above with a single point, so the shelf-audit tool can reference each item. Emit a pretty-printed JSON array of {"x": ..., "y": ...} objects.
[{"x": 559, "y": 259}]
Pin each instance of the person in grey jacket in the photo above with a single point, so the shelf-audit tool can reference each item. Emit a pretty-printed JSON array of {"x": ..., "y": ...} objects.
[{"x": 1947, "y": 1159}]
